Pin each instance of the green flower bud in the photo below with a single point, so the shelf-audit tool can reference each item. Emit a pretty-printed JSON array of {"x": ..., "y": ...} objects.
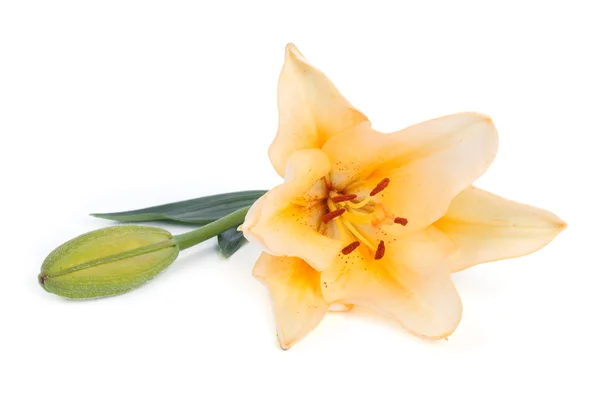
[{"x": 108, "y": 261}]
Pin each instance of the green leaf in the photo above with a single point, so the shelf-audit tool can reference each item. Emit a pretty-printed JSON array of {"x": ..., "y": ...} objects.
[
  {"x": 202, "y": 210},
  {"x": 231, "y": 241}
]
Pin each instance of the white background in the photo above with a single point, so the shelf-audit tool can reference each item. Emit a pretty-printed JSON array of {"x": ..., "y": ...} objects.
[{"x": 114, "y": 105}]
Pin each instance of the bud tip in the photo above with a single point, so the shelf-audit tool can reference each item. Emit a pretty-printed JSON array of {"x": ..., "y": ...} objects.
[{"x": 42, "y": 278}]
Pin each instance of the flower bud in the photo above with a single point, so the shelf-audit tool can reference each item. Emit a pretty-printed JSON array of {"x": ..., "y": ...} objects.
[{"x": 108, "y": 261}]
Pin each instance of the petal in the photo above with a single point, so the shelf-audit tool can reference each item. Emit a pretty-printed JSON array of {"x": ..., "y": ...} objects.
[
  {"x": 311, "y": 109},
  {"x": 251, "y": 219},
  {"x": 296, "y": 293},
  {"x": 428, "y": 164},
  {"x": 339, "y": 307},
  {"x": 406, "y": 284},
  {"x": 285, "y": 224},
  {"x": 486, "y": 227}
]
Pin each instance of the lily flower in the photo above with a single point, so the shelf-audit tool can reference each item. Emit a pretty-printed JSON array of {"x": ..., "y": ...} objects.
[{"x": 378, "y": 219}]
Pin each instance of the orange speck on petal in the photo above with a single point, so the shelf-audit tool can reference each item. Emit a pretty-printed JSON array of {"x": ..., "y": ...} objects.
[
  {"x": 380, "y": 250},
  {"x": 350, "y": 248},
  {"x": 334, "y": 214},
  {"x": 380, "y": 186}
]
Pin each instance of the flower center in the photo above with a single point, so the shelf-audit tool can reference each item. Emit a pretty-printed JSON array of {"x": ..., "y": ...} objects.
[{"x": 353, "y": 218}]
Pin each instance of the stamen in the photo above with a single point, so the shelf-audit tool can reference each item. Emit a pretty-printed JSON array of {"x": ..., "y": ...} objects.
[
  {"x": 360, "y": 204},
  {"x": 401, "y": 221},
  {"x": 380, "y": 186},
  {"x": 343, "y": 232},
  {"x": 350, "y": 248},
  {"x": 344, "y": 197},
  {"x": 334, "y": 214},
  {"x": 357, "y": 234},
  {"x": 357, "y": 217},
  {"x": 380, "y": 250}
]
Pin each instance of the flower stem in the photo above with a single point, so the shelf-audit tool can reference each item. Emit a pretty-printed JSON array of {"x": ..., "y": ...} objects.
[{"x": 192, "y": 238}]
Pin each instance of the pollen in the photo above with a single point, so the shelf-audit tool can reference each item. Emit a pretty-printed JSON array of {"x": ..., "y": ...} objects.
[
  {"x": 401, "y": 221},
  {"x": 344, "y": 197},
  {"x": 332, "y": 215},
  {"x": 350, "y": 248},
  {"x": 380, "y": 186},
  {"x": 380, "y": 250}
]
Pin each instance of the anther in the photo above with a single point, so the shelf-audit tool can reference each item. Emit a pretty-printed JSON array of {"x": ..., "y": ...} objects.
[
  {"x": 350, "y": 248},
  {"x": 380, "y": 250},
  {"x": 334, "y": 214},
  {"x": 344, "y": 197},
  {"x": 380, "y": 186},
  {"x": 401, "y": 221}
]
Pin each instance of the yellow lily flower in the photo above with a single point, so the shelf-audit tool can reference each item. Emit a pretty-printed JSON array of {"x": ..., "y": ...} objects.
[{"x": 378, "y": 219}]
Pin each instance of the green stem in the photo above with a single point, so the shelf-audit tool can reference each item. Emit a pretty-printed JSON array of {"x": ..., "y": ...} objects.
[
  {"x": 192, "y": 238},
  {"x": 183, "y": 241}
]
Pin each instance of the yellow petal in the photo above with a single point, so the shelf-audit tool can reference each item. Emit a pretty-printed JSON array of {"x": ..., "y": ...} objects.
[
  {"x": 408, "y": 283},
  {"x": 356, "y": 154},
  {"x": 339, "y": 307},
  {"x": 252, "y": 218},
  {"x": 296, "y": 293},
  {"x": 486, "y": 227},
  {"x": 282, "y": 222},
  {"x": 428, "y": 164},
  {"x": 311, "y": 109}
]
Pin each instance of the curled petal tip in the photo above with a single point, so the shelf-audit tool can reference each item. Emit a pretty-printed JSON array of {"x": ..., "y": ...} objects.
[
  {"x": 292, "y": 53},
  {"x": 485, "y": 118},
  {"x": 284, "y": 346},
  {"x": 561, "y": 225},
  {"x": 284, "y": 343},
  {"x": 476, "y": 117},
  {"x": 291, "y": 48},
  {"x": 443, "y": 336}
]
